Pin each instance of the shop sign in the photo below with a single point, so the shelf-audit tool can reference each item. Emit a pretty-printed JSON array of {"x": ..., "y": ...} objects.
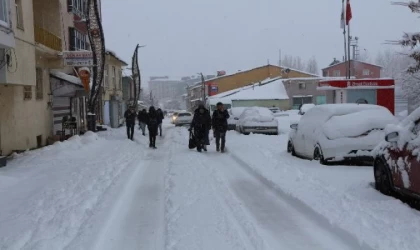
[{"x": 362, "y": 84}]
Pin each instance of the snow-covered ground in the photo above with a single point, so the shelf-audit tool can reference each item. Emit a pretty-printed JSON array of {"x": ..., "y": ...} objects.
[{"x": 102, "y": 191}]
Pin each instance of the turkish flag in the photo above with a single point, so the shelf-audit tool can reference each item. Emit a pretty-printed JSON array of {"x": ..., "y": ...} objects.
[{"x": 348, "y": 12}]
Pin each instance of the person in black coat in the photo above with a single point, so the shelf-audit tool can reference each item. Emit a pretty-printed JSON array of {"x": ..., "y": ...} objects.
[
  {"x": 142, "y": 116},
  {"x": 201, "y": 125},
  {"x": 130, "y": 120},
  {"x": 152, "y": 125},
  {"x": 160, "y": 120},
  {"x": 220, "y": 126}
]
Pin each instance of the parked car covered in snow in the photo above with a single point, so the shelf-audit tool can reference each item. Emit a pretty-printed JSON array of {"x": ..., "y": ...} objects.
[
  {"x": 337, "y": 132},
  {"x": 183, "y": 118},
  {"x": 305, "y": 108},
  {"x": 234, "y": 114},
  {"x": 257, "y": 120},
  {"x": 397, "y": 158}
]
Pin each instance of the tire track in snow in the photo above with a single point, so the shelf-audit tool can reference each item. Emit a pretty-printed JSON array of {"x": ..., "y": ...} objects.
[
  {"x": 200, "y": 186},
  {"x": 300, "y": 206}
]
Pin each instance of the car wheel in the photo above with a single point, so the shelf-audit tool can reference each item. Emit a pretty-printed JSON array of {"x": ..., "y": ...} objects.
[
  {"x": 289, "y": 147},
  {"x": 318, "y": 156},
  {"x": 382, "y": 181}
]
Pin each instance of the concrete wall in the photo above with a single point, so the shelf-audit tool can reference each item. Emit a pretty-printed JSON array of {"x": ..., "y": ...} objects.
[
  {"x": 281, "y": 104},
  {"x": 21, "y": 121},
  {"x": 109, "y": 87}
]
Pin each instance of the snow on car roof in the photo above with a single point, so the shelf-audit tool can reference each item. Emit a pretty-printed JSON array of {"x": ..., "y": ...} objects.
[
  {"x": 343, "y": 108},
  {"x": 358, "y": 122},
  {"x": 269, "y": 91},
  {"x": 306, "y": 107}
]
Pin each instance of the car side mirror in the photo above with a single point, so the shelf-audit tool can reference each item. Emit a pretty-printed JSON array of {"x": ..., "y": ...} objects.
[
  {"x": 392, "y": 137},
  {"x": 294, "y": 126},
  {"x": 236, "y": 118}
]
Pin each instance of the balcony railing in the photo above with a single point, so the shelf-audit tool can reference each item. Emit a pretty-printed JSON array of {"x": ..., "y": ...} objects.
[{"x": 48, "y": 39}]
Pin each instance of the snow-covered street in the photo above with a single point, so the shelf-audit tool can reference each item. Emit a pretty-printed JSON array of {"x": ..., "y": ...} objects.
[{"x": 102, "y": 191}]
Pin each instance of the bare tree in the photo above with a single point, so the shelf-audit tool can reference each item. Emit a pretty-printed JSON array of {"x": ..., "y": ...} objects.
[{"x": 312, "y": 66}]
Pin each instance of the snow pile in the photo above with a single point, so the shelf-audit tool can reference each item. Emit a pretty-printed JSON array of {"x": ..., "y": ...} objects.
[
  {"x": 57, "y": 189},
  {"x": 357, "y": 123},
  {"x": 341, "y": 196}
]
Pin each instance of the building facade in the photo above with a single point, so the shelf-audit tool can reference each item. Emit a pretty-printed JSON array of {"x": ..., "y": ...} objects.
[
  {"x": 113, "y": 107},
  {"x": 358, "y": 70},
  {"x": 240, "y": 79}
]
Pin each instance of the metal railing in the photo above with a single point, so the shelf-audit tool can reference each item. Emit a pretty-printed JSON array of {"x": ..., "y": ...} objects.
[{"x": 48, "y": 39}]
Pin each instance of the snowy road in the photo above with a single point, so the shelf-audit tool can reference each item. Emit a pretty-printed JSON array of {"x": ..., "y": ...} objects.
[{"x": 105, "y": 192}]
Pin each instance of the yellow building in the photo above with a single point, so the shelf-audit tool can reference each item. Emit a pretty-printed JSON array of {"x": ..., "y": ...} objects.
[
  {"x": 240, "y": 79},
  {"x": 113, "y": 107}
]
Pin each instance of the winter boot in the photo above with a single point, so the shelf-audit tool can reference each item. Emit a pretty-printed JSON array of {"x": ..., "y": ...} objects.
[
  {"x": 205, "y": 148},
  {"x": 199, "y": 148}
]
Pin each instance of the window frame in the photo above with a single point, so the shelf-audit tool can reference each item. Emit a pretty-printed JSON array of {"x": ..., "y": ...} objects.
[
  {"x": 19, "y": 14},
  {"x": 39, "y": 87},
  {"x": 6, "y": 21},
  {"x": 27, "y": 93},
  {"x": 366, "y": 70},
  {"x": 336, "y": 73},
  {"x": 301, "y": 85}
]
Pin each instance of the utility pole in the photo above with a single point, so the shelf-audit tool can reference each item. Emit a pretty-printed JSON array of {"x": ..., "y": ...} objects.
[{"x": 203, "y": 86}]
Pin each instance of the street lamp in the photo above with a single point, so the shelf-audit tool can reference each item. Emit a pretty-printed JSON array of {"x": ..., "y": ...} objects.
[{"x": 203, "y": 86}]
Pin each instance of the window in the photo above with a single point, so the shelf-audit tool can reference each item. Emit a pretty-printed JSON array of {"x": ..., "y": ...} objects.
[
  {"x": 366, "y": 72},
  {"x": 120, "y": 79},
  {"x": 336, "y": 73},
  {"x": 114, "y": 82},
  {"x": 27, "y": 92},
  {"x": 321, "y": 99},
  {"x": 19, "y": 14},
  {"x": 78, "y": 40},
  {"x": 302, "y": 85},
  {"x": 78, "y": 7},
  {"x": 39, "y": 84},
  {"x": 297, "y": 101},
  {"x": 106, "y": 82},
  {"x": 4, "y": 13}
]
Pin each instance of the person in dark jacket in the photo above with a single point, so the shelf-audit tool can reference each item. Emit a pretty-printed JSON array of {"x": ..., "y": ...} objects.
[
  {"x": 201, "y": 125},
  {"x": 160, "y": 120},
  {"x": 152, "y": 125},
  {"x": 142, "y": 116},
  {"x": 130, "y": 120},
  {"x": 220, "y": 126}
]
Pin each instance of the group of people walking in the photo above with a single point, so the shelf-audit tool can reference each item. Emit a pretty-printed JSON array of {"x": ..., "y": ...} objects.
[
  {"x": 202, "y": 123},
  {"x": 152, "y": 119}
]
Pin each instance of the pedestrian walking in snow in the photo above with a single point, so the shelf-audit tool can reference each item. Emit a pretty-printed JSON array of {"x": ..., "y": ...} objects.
[
  {"x": 200, "y": 126},
  {"x": 152, "y": 125},
  {"x": 160, "y": 120},
  {"x": 220, "y": 126},
  {"x": 130, "y": 120},
  {"x": 142, "y": 116}
]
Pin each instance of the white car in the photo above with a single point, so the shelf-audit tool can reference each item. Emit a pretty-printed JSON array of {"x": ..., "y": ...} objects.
[
  {"x": 257, "y": 120},
  {"x": 234, "y": 114},
  {"x": 337, "y": 132},
  {"x": 182, "y": 118}
]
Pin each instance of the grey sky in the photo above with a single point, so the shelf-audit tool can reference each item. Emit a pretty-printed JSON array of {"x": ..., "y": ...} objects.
[{"x": 184, "y": 37}]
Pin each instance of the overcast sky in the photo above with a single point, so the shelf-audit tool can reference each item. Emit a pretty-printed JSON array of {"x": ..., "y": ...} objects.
[{"x": 184, "y": 37}]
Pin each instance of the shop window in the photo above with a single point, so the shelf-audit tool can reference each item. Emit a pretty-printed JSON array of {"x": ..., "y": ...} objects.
[
  {"x": 39, "y": 84},
  {"x": 336, "y": 73},
  {"x": 297, "y": 101},
  {"x": 302, "y": 85},
  {"x": 366, "y": 72},
  {"x": 19, "y": 14},
  {"x": 27, "y": 93},
  {"x": 362, "y": 101},
  {"x": 321, "y": 100}
]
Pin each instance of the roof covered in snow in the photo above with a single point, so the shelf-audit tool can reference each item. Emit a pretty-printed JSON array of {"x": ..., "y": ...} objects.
[
  {"x": 113, "y": 54},
  {"x": 66, "y": 77},
  {"x": 271, "y": 90}
]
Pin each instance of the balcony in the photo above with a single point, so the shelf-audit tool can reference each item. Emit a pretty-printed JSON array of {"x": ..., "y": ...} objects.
[{"x": 47, "y": 39}]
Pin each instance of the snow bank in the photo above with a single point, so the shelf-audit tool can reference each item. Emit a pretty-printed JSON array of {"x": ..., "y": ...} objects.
[
  {"x": 357, "y": 123},
  {"x": 52, "y": 193},
  {"x": 340, "y": 194}
]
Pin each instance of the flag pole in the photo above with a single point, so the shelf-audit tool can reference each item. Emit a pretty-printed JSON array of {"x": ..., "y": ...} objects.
[
  {"x": 348, "y": 51},
  {"x": 343, "y": 20}
]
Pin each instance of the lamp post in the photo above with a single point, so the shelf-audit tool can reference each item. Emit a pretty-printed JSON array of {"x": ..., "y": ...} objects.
[{"x": 203, "y": 86}]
